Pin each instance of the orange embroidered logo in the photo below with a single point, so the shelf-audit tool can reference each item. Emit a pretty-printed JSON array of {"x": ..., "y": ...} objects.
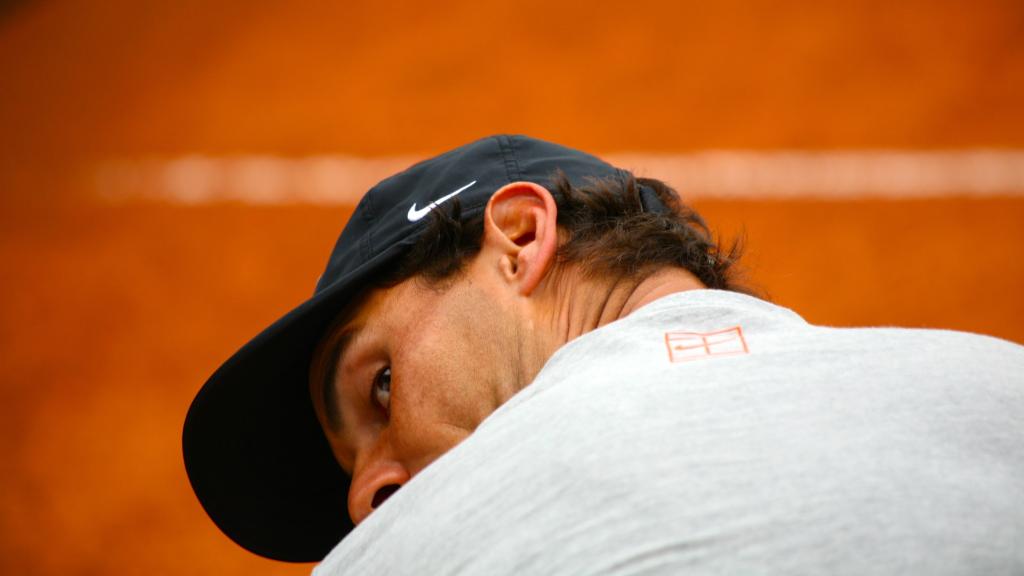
[{"x": 687, "y": 346}]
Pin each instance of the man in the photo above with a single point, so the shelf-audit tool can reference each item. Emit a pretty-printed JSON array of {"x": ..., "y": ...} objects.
[{"x": 521, "y": 359}]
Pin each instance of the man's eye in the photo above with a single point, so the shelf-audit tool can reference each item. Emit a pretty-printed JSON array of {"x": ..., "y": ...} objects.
[{"x": 381, "y": 391}]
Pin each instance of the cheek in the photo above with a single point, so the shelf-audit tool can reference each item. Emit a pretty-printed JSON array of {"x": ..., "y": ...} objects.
[
  {"x": 448, "y": 364},
  {"x": 438, "y": 388}
]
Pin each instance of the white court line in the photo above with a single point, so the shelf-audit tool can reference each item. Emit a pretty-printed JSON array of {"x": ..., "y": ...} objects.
[{"x": 339, "y": 179}]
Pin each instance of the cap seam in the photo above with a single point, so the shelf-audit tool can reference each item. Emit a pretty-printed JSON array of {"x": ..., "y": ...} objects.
[
  {"x": 510, "y": 159},
  {"x": 367, "y": 208},
  {"x": 365, "y": 247}
]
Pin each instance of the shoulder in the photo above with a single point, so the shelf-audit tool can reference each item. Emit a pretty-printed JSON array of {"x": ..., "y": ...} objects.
[{"x": 926, "y": 343}]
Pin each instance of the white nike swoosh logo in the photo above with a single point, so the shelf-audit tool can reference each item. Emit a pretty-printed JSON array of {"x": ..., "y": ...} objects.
[{"x": 415, "y": 214}]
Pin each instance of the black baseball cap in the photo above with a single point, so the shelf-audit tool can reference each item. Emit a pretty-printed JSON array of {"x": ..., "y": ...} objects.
[{"x": 254, "y": 451}]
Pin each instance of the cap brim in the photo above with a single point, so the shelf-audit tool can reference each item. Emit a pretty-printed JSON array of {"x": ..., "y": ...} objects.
[{"x": 254, "y": 451}]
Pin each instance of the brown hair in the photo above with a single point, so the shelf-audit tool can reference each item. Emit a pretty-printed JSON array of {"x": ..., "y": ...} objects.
[{"x": 607, "y": 232}]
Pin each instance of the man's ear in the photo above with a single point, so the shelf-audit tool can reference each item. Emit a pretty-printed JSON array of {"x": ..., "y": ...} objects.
[{"x": 520, "y": 225}]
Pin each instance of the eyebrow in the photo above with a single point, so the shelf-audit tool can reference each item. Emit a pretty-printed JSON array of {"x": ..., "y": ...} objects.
[{"x": 328, "y": 388}]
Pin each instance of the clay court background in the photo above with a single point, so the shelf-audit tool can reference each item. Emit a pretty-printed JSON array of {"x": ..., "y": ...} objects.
[{"x": 116, "y": 308}]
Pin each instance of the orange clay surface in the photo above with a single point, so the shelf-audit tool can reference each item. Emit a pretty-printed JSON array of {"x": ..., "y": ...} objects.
[{"x": 112, "y": 316}]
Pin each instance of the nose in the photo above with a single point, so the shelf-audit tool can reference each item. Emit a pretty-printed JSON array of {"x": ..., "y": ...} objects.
[
  {"x": 372, "y": 485},
  {"x": 383, "y": 494}
]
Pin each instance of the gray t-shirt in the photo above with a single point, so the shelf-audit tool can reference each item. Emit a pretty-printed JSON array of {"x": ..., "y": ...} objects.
[{"x": 711, "y": 432}]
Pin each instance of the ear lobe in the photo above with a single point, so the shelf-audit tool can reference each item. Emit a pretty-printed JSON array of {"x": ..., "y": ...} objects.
[{"x": 521, "y": 225}]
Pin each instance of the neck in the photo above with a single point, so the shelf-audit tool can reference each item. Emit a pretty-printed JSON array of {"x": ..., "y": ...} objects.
[
  {"x": 576, "y": 305},
  {"x": 658, "y": 285},
  {"x": 618, "y": 299}
]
